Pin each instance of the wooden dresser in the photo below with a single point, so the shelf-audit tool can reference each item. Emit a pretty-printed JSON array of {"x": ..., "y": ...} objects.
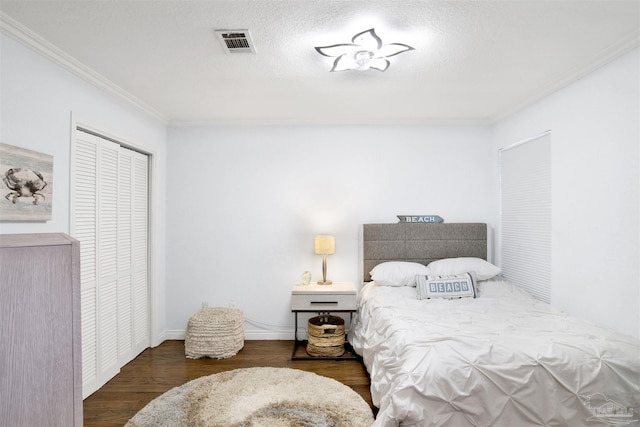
[{"x": 40, "y": 360}]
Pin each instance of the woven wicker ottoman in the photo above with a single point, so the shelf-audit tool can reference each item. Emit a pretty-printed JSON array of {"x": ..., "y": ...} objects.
[{"x": 215, "y": 332}]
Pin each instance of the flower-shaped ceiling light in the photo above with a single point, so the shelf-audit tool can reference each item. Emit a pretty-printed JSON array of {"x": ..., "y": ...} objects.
[{"x": 366, "y": 51}]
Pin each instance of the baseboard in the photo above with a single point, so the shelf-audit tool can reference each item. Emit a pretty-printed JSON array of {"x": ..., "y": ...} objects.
[
  {"x": 174, "y": 335},
  {"x": 179, "y": 334},
  {"x": 162, "y": 337}
]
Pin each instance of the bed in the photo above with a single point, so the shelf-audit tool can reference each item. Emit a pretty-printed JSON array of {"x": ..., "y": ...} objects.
[{"x": 496, "y": 358}]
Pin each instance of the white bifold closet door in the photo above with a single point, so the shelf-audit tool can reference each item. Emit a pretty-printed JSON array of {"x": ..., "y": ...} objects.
[{"x": 110, "y": 219}]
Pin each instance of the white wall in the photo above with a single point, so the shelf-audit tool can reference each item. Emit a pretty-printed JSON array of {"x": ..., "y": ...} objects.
[
  {"x": 595, "y": 134},
  {"x": 244, "y": 204},
  {"x": 37, "y": 100}
]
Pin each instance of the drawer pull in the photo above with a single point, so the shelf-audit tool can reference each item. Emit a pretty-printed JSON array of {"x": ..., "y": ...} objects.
[{"x": 323, "y": 302}]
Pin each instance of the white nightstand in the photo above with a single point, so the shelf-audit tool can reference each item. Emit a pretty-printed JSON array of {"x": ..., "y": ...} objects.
[{"x": 314, "y": 298}]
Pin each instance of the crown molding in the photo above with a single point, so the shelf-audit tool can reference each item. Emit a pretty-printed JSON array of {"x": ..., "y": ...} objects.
[
  {"x": 426, "y": 121},
  {"x": 605, "y": 56},
  {"x": 33, "y": 41}
]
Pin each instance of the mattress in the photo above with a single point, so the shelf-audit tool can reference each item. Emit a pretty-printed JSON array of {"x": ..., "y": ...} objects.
[{"x": 501, "y": 359}]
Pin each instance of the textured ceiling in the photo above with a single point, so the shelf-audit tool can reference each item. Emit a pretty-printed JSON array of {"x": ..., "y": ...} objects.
[{"x": 474, "y": 61}]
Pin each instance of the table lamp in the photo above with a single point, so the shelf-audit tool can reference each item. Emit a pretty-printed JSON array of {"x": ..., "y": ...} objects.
[{"x": 324, "y": 245}]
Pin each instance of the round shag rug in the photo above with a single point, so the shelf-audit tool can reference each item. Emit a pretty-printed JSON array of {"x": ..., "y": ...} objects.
[{"x": 265, "y": 397}]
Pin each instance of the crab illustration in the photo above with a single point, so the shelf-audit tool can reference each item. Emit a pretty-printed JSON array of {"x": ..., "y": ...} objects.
[{"x": 24, "y": 183}]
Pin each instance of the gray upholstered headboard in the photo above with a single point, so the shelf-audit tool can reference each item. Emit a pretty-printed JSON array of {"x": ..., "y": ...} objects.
[{"x": 421, "y": 243}]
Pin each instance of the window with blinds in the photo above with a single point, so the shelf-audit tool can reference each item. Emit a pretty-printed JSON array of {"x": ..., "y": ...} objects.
[{"x": 525, "y": 215}]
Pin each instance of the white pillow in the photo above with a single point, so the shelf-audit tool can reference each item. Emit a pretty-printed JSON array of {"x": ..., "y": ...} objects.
[
  {"x": 451, "y": 266},
  {"x": 398, "y": 273}
]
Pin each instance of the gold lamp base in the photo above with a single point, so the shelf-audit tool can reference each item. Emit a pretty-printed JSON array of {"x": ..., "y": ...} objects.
[
  {"x": 324, "y": 280},
  {"x": 324, "y": 245}
]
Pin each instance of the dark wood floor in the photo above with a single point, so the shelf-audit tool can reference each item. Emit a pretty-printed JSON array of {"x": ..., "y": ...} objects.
[{"x": 159, "y": 369}]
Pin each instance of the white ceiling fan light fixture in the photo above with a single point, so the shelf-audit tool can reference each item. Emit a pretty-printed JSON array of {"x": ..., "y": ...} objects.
[{"x": 366, "y": 51}]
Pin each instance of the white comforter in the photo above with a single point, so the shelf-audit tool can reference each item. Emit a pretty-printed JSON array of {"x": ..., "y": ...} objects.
[{"x": 502, "y": 359}]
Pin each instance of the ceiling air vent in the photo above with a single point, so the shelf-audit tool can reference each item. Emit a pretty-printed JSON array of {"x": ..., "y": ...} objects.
[{"x": 236, "y": 41}]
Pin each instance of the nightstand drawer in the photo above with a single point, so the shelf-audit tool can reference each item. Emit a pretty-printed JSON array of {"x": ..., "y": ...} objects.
[{"x": 323, "y": 302}]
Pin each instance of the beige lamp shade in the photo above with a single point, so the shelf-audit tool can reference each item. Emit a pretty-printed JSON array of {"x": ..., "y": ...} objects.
[{"x": 325, "y": 245}]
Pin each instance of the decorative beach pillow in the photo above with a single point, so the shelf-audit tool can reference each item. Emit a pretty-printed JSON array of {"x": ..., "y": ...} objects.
[
  {"x": 457, "y": 286},
  {"x": 484, "y": 270},
  {"x": 397, "y": 273}
]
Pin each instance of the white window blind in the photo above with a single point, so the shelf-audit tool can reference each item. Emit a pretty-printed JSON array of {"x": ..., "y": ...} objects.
[{"x": 525, "y": 214}]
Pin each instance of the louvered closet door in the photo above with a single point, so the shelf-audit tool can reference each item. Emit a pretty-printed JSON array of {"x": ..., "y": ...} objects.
[
  {"x": 84, "y": 228},
  {"x": 133, "y": 311},
  {"x": 95, "y": 224},
  {"x": 139, "y": 249},
  {"x": 107, "y": 213},
  {"x": 125, "y": 258},
  {"x": 109, "y": 217}
]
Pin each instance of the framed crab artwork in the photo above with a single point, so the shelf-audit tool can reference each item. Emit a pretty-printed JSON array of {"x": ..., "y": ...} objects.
[{"x": 26, "y": 184}]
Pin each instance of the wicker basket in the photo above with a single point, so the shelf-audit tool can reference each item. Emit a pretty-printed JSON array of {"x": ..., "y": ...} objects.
[{"x": 326, "y": 336}]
